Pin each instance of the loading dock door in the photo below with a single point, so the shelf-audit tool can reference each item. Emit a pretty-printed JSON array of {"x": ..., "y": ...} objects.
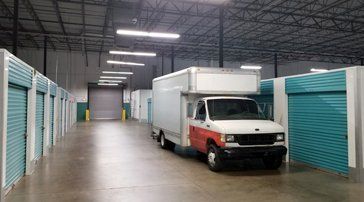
[
  {"x": 105, "y": 102},
  {"x": 39, "y": 125},
  {"x": 16, "y": 134}
]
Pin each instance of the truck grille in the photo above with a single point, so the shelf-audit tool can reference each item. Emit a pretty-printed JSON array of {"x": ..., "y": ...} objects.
[{"x": 256, "y": 139}]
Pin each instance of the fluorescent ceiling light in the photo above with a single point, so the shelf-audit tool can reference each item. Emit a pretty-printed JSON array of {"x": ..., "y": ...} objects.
[
  {"x": 110, "y": 81},
  {"x": 112, "y": 77},
  {"x": 111, "y": 72},
  {"x": 132, "y": 53},
  {"x": 147, "y": 34},
  {"x": 250, "y": 67},
  {"x": 318, "y": 70},
  {"x": 107, "y": 84},
  {"x": 124, "y": 63}
]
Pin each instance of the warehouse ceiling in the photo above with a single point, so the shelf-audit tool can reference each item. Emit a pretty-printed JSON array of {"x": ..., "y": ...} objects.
[{"x": 254, "y": 30}]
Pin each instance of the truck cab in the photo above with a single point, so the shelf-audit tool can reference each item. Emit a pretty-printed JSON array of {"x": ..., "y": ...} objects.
[{"x": 234, "y": 128}]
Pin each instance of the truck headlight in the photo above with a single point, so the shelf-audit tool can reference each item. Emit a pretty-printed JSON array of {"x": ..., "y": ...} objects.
[
  {"x": 280, "y": 137},
  {"x": 230, "y": 138}
]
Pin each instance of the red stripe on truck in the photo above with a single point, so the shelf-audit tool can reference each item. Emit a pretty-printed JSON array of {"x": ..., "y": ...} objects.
[{"x": 199, "y": 138}]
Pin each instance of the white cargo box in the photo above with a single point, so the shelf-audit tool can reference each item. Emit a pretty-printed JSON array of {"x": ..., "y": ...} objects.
[{"x": 174, "y": 93}]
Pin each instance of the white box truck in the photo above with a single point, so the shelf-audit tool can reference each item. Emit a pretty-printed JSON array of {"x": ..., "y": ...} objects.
[{"x": 205, "y": 108}]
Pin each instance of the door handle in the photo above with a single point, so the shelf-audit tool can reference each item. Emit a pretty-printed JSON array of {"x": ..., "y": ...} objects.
[{"x": 208, "y": 125}]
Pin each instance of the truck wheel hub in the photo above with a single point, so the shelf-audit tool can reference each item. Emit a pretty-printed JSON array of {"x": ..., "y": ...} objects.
[{"x": 211, "y": 158}]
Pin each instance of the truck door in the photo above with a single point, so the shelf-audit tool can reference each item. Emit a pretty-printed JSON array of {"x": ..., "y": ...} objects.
[{"x": 197, "y": 132}]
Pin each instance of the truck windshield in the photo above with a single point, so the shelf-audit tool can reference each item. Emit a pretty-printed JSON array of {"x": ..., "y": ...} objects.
[{"x": 234, "y": 109}]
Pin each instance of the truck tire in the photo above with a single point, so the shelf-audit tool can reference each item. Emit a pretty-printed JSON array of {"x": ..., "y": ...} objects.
[
  {"x": 273, "y": 162},
  {"x": 166, "y": 144},
  {"x": 213, "y": 160}
]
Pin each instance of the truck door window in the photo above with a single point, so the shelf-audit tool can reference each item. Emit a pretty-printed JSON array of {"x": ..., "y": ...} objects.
[{"x": 201, "y": 111}]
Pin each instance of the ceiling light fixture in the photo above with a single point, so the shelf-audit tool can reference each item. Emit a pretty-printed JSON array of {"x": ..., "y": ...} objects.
[
  {"x": 147, "y": 34},
  {"x": 115, "y": 52},
  {"x": 110, "y": 81},
  {"x": 107, "y": 84},
  {"x": 318, "y": 70},
  {"x": 251, "y": 67},
  {"x": 112, "y": 77},
  {"x": 124, "y": 63},
  {"x": 111, "y": 72}
]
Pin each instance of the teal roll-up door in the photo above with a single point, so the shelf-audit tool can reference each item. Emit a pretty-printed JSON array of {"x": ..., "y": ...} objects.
[
  {"x": 149, "y": 110},
  {"x": 317, "y": 113},
  {"x": 39, "y": 125},
  {"x": 266, "y": 98},
  {"x": 16, "y": 134},
  {"x": 51, "y": 120},
  {"x": 60, "y": 113}
]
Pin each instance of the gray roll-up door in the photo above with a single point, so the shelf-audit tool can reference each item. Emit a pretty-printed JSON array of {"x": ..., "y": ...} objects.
[
  {"x": 39, "y": 125},
  {"x": 105, "y": 102},
  {"x": 16, "y": 134},
  {"x": 51, "y": 120}
]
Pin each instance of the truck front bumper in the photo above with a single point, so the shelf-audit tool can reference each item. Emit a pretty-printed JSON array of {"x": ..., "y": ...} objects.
[{"x": 237, "y": 153}]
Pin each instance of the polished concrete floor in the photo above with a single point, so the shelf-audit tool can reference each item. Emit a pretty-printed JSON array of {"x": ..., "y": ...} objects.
[{"x": 115, "y": 161}]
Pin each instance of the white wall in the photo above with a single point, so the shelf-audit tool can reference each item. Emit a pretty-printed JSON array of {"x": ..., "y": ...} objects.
[{"x": 73, "y": 75}]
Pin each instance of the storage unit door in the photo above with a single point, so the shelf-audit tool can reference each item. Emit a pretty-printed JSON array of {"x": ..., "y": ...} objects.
[
  {"x": 39, "y": 125},
  {"x": 16, "y": 134},
  {"x": 51, "y": 120},
  {"x": 60, "y": 114},
  {"x": 318, "y": 130}
]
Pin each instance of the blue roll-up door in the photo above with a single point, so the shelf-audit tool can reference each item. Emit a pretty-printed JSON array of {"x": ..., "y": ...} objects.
[
  {"x": 266, "y": 98},
  {"x": 51, "y": 120},
  {"x": 16, "y": 134},
  {"x": 317, "y": 113},
  {"x": 39, "y": 125},
  {"x": 60, "y": 113}
]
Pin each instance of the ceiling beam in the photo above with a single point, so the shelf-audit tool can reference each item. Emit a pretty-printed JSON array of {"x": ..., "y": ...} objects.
[{"x": 60, "y": 21}]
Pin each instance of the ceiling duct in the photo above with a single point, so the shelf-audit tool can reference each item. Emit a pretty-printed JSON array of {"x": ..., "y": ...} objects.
[{"x": 125, "y": 16}]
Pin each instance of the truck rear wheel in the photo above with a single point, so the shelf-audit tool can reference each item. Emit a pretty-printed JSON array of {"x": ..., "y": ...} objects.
[
  {"x": 273, "y": 162},
  {"x": 213, "y": 159},
  {"x": 166, "y": 144}
]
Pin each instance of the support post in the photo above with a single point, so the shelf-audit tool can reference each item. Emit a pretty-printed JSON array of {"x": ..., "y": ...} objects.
[
  {"x": 172, "y": 59},
  {"x": 275, "y": 65},
  {"x": 45, "y": 57},
  {"x": 221, "y": 37},
  {"x": 15, "y": 27}
]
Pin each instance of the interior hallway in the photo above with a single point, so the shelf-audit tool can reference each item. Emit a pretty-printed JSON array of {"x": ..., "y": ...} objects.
[{"x": 115, "y": 161}]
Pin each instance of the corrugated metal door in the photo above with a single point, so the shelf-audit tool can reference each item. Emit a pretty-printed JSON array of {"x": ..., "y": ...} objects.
[
  {"x": 60, "y": 113},
  {"x": 39, "y": 125},
  {"x": 51, "y": 120},
  {"x": 16, "y": 134},
  {"x": 266, "y": 98},
  {"x": 317, "y": 110}
]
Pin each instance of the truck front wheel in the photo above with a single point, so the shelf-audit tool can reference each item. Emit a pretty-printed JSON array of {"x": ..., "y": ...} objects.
[
  {"x": 213, "y": 159},
  {"x": 273, "y": 162}
]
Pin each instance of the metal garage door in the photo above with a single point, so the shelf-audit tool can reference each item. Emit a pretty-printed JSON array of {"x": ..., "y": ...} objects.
[
  {"x": 266, "y": 98},
  {"x": 39, "y": 125},
  {"x": 16, "y": 134},
  {"x": 51, "y": 120},
  {"x": 60, "y": 114},
  {"x": 105, "y": 102},
  {"x": 317, "y": 111}
]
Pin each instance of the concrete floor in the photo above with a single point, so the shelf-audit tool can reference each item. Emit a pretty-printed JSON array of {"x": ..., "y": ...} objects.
[{"x": 115, "y": 161}]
